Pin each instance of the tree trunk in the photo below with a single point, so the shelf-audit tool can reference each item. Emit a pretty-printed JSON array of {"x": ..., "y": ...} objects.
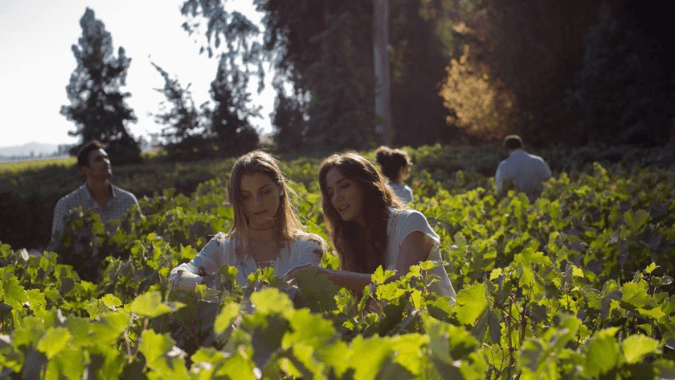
[{"x": 383, "y": 124}]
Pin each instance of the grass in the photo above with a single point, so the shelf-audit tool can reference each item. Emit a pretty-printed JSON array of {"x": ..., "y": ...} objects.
[{"x": 15, "y": 167}]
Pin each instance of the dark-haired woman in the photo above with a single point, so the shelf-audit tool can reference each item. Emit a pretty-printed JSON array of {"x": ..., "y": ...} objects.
[
  {"x": 369, "y": 226},
  {"x": 395, "y": 165},
  {"x": 265, "y": 233}
]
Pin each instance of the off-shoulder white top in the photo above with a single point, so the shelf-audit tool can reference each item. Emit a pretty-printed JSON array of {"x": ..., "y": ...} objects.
[{"x": 221, "y": 250}]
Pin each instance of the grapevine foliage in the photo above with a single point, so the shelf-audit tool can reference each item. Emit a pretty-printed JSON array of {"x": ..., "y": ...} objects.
[{"x": 574, "y": 285}]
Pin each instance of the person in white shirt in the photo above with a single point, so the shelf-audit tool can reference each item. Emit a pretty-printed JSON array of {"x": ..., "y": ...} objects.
[
  {"x": 107, "y": 200},
  {"x": 395, "y": 164},
  {"x": 265, "y": 233},
  {"x": 370, "y": 227},
  {"x": 524, "y": 171}
]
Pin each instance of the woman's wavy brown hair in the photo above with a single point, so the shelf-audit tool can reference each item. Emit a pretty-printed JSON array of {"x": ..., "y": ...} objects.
[
  {"x": 391, "y": 161},
  {"x": 360, "y": 249},
  {"x": 286, "y": 224}
]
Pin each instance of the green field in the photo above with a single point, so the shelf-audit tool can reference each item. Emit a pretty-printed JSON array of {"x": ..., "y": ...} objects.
[
  {"x": 18, "y": 167},
  {"x": 575, "y": 285}
]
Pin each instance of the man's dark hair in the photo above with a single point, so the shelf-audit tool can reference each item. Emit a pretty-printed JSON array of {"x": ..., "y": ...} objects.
[
  {"x": 513, "y": 142},
  {"x": 83, "y": 154}
]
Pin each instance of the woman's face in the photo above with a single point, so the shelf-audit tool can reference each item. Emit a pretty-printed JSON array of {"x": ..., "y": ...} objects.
[
  {"x": 346, "y": 196},
  {"x": 260, "y": 197}
]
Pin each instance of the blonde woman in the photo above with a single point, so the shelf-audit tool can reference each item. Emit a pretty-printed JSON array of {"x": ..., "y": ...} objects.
[{"x": 266, "y": 232}]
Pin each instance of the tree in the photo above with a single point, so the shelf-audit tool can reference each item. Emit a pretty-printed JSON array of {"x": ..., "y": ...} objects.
[
  {"x": 178, "y": 112},
  {"x": 324, "y": 48},
  {"x": 230, "y": 117},
  {"x": 482, "y": 107},
  {"x": 97, "y": 106},
  {"x": 625, "y": 85},
  {"x": 420, "y": 49},
  {"x": 288, "y": 119}
]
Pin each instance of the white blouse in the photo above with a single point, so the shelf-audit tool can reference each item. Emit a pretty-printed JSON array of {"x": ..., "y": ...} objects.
[
  {"x": 220, "y": 251},
  {"x": 401, "y": 224},
  {"x": 402, "y": 191}
]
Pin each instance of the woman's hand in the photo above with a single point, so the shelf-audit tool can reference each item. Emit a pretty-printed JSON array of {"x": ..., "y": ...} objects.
[{"x": 291, "y": 275}]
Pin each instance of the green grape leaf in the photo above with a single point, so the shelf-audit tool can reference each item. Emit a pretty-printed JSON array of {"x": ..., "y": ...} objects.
[
  {"x": 53, "y": 341},
  {"x": 368, "y": 356},
  {"x": 602, "y": 300},
  {"x": 316, "y": 292},
  {"x": 655, "y": 313},
  {"x": 636, "y": 219},
  {"x": 495, "y": 327},
  {"x": 271, "y": 300},
  {"x": 111, "y": 301},
  {"x": 109, "y": 327},
  {"x": 529, "y": 256},
  {"x": 495, "y": 274},
  {"x": 470, "y": 303},
  {"x": 635, "y": 294},
  {"x": 531, "y": 354},
  {"x": 150, "y": 305},
  {"x": 36, "y": 300},
  {"x": 381, "y": 275},
  {"x": 11, "y": 292},
  {"x": 460, "y": 241},
  {"x": 153, "y": 346},
  {"x": 236, "y": 367},
  {"x": 225, "y": 318},
  {"x": 409, "y": 351},
  {"x": 79, "y": 331},
  {"x": 69, "y": 363},
  {"x": 635, "y": 347},
  {"x": 309, "y": 329},
  {"x": 267, "y": 330},
  {"x": 603, "y": 353},
  {"x": 651, "y": 268}
]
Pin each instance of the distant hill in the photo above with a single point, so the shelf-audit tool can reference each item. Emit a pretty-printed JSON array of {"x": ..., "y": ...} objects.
[{"x": 26, "y": 149}]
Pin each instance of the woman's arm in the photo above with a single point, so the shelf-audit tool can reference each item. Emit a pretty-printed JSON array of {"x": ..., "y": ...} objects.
[
  {"x": 346, "y": 279},
  {"x": 414, "y": 249},
  {"x": 351, "y": 280},
  {"x": 187, "y": 276}
]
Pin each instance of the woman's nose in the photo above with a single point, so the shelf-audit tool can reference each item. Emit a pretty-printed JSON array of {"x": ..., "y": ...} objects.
[{"x": 337, "y": 195}]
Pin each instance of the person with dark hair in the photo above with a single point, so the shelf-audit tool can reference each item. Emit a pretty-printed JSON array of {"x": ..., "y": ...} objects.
[
  {"x": 395, "y": 165},
  {"x": 107, "y": 200},
  {"x": 370, "y": 227},
  {"x": 524, "y": 171},
  {"x": 265, "y": 233}
]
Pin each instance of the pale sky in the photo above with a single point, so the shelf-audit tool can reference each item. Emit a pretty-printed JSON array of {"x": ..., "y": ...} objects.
[{"x": 36, "y": 62}]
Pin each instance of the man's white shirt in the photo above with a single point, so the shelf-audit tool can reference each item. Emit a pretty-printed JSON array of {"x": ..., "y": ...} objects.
[
  {"x": 525, "y": 171},
  {"x": 120, "y": 202}
]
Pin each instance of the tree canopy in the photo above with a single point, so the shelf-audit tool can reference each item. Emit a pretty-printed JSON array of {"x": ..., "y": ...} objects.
[
  {"x": 462, "y": 71},
  {"x": 97, "y": 104}
]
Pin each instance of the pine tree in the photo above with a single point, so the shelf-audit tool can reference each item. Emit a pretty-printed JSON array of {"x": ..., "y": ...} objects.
[
  {"x": 178, "y": 112},
  {"x": 230, "y": 117},
  {"x": 97, "y": 105}
]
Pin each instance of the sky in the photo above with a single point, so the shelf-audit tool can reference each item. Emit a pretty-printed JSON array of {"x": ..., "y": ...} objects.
[{"x": 36, "y": 37}]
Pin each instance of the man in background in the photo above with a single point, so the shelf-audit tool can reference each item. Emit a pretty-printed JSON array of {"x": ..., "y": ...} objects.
[
  {"x": 107, "y": 200},
  {"x": 524, "y": 171}
]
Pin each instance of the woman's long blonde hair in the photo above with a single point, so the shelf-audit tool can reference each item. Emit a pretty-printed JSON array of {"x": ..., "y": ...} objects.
[{"x": 286, "y": 224}]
